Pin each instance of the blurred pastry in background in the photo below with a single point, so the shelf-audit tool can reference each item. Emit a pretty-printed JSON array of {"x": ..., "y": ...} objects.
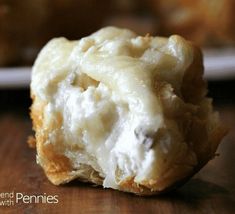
[
  {"x": 132, "y": 14},
  {"x": 25, "y": 26},
  {"x": 128, "y": 6},
  {"x": 206, "y": 22}
]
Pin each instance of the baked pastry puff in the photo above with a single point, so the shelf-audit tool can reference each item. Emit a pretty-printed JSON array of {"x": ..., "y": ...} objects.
[
  {"x": 123, "y": 111},
  {"x": 208, "y": 23}
]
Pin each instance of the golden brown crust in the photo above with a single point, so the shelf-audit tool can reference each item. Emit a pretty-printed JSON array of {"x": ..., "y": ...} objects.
[
  {"x": 129, "y": 185},
  {"x": 31, "y": 142},
  {"x": 57, "y": 167}
]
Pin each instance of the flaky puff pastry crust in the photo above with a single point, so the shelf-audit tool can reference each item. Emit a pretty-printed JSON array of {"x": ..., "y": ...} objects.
[{"x": 168, "y": 149}]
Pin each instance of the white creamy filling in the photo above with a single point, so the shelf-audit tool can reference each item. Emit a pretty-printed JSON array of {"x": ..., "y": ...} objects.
[
  {"x": 101, "y": 121},
  {"x": 117, "y": 108}
]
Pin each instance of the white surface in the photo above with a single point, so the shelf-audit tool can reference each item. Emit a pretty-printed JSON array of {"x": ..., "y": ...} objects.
[
  {"x": 219, "y": 65},
  {"x": 18, "y": 77}
]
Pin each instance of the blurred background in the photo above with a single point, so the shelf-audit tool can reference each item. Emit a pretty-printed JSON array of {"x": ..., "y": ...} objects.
[{"x": 27, "y": 25}]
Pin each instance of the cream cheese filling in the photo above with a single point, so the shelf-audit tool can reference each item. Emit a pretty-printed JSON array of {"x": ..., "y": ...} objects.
[{"x": 104, "y": 86}]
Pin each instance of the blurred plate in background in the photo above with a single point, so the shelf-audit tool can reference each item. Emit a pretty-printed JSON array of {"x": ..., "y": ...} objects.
[
  {"x": 219, "y": 65},
  {"x": 15, "y": 77}
]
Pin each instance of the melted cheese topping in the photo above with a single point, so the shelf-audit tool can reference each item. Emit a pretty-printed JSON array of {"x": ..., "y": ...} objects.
[{"x": 105, "y": 86}]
